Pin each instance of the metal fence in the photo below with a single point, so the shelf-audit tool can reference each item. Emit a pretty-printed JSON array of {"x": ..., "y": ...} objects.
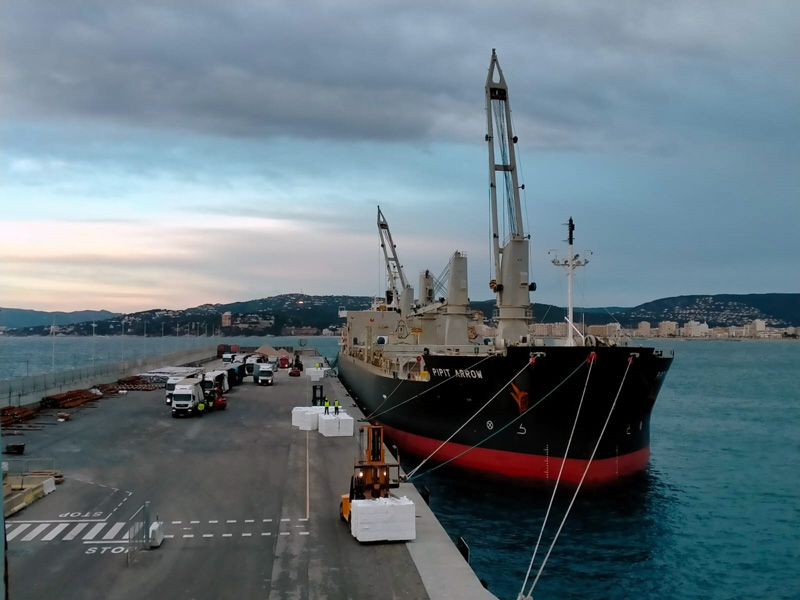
[
  {"x": 17, "y": 467},
  {"x": 17, "y": 388},
  {"x": 138, "y": 535}
]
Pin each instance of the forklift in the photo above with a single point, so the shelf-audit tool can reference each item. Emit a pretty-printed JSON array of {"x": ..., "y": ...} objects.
[{"x": 371, "y": 476}]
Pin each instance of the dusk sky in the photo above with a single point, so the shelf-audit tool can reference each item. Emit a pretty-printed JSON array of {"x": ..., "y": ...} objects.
[{"x": 169, "y": 154}]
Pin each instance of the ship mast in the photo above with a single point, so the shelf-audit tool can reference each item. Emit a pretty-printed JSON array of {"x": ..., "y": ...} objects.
[
  {"x": 572, "y": 262},
  {"x": 511, "y": 283},
  {"x": 402, "y": 295}
]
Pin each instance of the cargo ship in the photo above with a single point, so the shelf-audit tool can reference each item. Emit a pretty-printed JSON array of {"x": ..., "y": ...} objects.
[{"x": 450, "y": 389}]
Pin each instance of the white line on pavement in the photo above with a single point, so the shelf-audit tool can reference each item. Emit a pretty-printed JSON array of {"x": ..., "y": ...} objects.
[
  {"x": 55, "y": 531},
  {"x": 304, "y": 532},
  {"x": 227, "y": 535},
  {"x": 35, "y": 532},
  {"x": 247, "y": 534},
  {"x": 111, "y": 533},
  {"x": 75, "y": 531},
  {"x": 208, "y": 535},
  {"x": 94, "y": 531}
]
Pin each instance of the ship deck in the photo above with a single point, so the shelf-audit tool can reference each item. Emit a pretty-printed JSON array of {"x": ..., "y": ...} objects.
[{"x": 241, "y": 517}]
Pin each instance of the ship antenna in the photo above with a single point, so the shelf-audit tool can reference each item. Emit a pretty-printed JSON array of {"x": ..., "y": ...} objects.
[{"x": 572, "y": 262}]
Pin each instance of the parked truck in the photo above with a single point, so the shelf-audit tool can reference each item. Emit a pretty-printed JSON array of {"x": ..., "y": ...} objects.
[{"x": 188, "y": 398}]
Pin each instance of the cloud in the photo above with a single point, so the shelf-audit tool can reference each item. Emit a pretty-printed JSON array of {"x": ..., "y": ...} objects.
[{"x": 632, "y": 76}]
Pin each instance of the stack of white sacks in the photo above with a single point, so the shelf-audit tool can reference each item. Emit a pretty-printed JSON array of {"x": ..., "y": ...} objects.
[
  {"x": 306, "y": 417},
  {"x": 341, "y": 425},
  {"x": 310, "y": 418},
  {"x": 382, "y": 519}
]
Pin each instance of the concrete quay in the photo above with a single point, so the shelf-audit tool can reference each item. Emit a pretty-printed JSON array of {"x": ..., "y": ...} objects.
[{"x": 249, "y": 505}]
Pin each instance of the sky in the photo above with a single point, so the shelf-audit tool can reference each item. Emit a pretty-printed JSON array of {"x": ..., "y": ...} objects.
[{"x": 175, "y": 153}]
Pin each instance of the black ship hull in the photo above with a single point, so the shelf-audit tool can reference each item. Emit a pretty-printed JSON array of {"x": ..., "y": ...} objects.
[{"x": 523, "y": 432}]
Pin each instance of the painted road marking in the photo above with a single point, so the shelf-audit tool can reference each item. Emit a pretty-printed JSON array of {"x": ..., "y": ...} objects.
[
  {"x": 35, "y": 532},
  {"x": 169, "y": 536},
  {"x": 208, "y": 535},
  {"x": 246, "y": 534},
  {"x": 133, "y": 531},
  {"x": 266, "y": 520},
  {"x": 284, "y": 533},
  {"x": 188, "y": 535},
  {"x": 304, "y": 532},
  {"x": 285, "y": 519},
  {"x": 17, "y": 531},
  {"x": 94, "y": 531},
  {"x": 227, "y": 535},
  {"x": 111, "y": 533},
  {"x": 231, "y": 521},
  {"x": 302, "y": 519},
  {"x": 75, "y": 531},
  {"x": 55, "y": 531},
  {"x": 249, "y": 520},
  {"x": 177, "y": 522},
  {"x": 265, "y": 533},
  {"x": 213, "y": 521},
  {"x": 193, "y": 522}
]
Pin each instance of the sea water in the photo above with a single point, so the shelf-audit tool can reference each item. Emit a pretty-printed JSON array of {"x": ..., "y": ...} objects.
[
  {"x": 716, "y": 516},
  {"x": 22, "y": 356}
]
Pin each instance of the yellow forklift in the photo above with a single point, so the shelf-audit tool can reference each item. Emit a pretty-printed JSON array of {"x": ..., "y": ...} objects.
[{"x": 372, "y": 477}]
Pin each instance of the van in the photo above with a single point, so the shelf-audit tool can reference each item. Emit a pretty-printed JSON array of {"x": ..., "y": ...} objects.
[
  {"x": 263, "y": 374},
  {"x": 188, "y": 398}
]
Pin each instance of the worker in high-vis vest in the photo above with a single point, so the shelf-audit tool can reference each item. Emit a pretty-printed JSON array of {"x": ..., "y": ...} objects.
[
  {"x": 327, "y": 405},
  {"x": 336, "y": 406}
]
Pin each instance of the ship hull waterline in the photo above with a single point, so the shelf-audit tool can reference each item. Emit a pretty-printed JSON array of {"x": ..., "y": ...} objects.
[{"x": 510, "y": 436}]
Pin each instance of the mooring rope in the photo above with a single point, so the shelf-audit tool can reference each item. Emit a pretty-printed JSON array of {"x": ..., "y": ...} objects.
[
  {"x": 527, "y": 364},
  {"x": 511, "y": 422},
  {"x": 592, "y": 357},
  {"x": 580, "y": 483},
  {"x": 390, "y": 409}
]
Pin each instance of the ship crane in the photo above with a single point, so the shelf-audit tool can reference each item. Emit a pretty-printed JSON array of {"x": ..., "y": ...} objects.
[
  {"x": 572, "y": 262},
  {"x": 400, "y": 294},
  {"x": 512, "y": 280}
]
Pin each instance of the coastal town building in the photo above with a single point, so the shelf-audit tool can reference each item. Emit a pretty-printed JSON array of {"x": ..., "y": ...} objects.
[
  {"x": 226, "y": 319},
  {"x": 667, "y": 329}
]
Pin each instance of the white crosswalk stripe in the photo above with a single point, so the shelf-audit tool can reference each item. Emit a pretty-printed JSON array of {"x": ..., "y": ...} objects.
[
  {"x": 36, "y": 531},
  {"x": 75, "y": 531},
  {"x": 111, "y": 533},
  {"x": 53, "y": 533},
  {"x": 94, "y": 531},
  {"x": 10, "y": 536}
]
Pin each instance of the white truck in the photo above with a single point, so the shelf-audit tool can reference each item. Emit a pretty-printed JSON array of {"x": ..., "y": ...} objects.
[
  {"x": 188, "y": 398},
  {"x": 253, "y": 360},
  {"x": 173, "y": 381},
  {"x": 263, "y": 374},
  {"x": 216, "y": 379}
]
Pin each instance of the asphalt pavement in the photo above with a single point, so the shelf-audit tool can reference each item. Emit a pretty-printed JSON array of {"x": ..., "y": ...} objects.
[{"x": 242, "y": 518}]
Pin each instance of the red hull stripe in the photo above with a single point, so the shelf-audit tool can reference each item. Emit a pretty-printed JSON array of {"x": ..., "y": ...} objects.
[{"x": 526, "y": 466}]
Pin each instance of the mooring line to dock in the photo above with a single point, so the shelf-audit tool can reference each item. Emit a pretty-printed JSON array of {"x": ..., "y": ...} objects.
[
  {"x": 433, "y": 387},
  {"x": 591, "y": 359},
  {"x": 580, "y": 483},
  {"x": 527, "y": 364},
  {"x": 511, "y": 422}
]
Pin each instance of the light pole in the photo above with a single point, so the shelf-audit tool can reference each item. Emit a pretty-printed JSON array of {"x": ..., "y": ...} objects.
[
  {"x": 53, "y": 335},
  {"x": 94, "y": 326},
  {"x": 123, "y": 340},
  {"x": 162, "y": 337},
  {"x": 145, "y": 338}
]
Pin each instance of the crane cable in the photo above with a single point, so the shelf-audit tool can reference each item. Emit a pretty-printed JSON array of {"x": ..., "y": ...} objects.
[
  {"x": 578, "y": 489},
  {"x": 592, "y": 357}
]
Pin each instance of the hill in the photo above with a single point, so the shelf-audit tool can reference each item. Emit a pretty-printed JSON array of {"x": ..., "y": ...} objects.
[
  {"x": 266, "y": 316},
  {"x": 21, "y": 317}
]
